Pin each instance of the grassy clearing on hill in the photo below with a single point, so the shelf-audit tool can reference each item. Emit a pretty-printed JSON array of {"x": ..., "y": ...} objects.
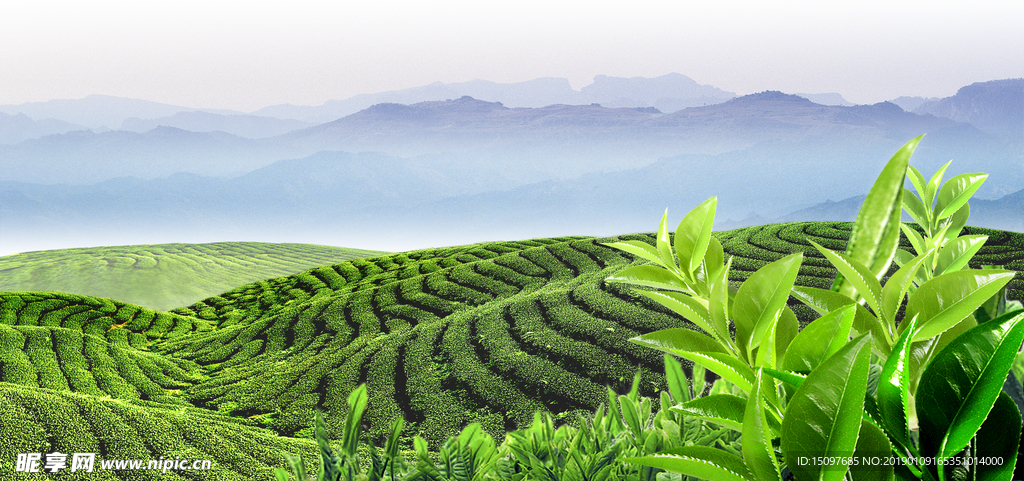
[
  {"x": 444, "y": 337},
  {"x": 163, "y": 276}
]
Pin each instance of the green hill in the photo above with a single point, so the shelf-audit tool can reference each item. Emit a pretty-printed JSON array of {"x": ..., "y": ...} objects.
[
  {"x": 163, "y": 276},
  {"x": 483, "y": 333}
]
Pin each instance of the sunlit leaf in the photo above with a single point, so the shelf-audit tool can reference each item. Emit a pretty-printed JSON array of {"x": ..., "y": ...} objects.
[
  {"x": 823, "y": 302},
  {"x": 945, "y": 300},
  {"x": 957, "y": 253},
  {"x": 933, "y": 186},
  {"x": 694, "y": 233},
  {"x": 897, "y": 287},
  {"x": 761, "y": 298},
  {"x": 650, "y": 276},
  {"x": 956, "y": 192},
  {"x": 664, "y": 244},
  {"x": 723, "y": 409},
  {"x": 639, "y": 249},
  {"x": 876, "y": 232},
  {"x": 858, "y": 275},
  {"x": 820, "y": 339},
  {"x": 915, "y": 207},
  {"x": 685, "y": 306}
]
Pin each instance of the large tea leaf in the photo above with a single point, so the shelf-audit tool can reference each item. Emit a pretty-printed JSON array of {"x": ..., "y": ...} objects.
[
  {"x": 893, "y": 391},
  {"x": 998, "y": 439},
  {"x": 761, "y": 298},
  {"x": 876, "y": 232},
  {"x": 820, "y": 339},
  {"x": 724, "y": 409},
  {"x": 650, "y": 276},
  {"x": 824, "y": 415},
  {"x": 694, "y": 233},
  {"x": 872, "y": 442},
  {"x": 956, "y": 192},
  {"x": 758, "y": 451},
  {"x": 961, "y": 384},
  {"x": 945, "y": 300}
]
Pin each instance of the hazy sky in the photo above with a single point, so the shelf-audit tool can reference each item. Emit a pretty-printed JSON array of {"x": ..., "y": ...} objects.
[{"x": 220, "y": 54}]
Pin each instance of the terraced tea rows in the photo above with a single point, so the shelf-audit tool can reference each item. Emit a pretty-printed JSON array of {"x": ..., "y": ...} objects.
[
  {"x": 485, "y": 333},
  {"x": 163, "y": 276}
]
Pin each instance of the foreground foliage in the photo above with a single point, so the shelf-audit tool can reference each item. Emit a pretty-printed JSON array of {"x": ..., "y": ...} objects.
[{"x": 806, "y": 406}]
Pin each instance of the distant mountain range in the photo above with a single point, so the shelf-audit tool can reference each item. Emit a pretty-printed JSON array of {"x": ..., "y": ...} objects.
[
  {"x": 556, "y": 142},
  {"x": 995, "y": 107},
  {"x": 462, "y": 168},
  {"x": 20, "y": 127}
]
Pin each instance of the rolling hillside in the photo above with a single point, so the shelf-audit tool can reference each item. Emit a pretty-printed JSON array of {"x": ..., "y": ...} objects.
[
  {"x": 163, "y": 276},
  {"x": 483, "y": 333}
]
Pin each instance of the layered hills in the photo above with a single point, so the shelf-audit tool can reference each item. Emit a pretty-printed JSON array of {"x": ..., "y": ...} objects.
[
  {"x": 163, "y": 276},
  {"x": 462, "y": 161},
  {"x": 443, "y": 337}
]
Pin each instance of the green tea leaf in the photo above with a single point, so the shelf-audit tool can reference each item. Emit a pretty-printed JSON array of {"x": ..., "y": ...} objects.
[
  {"x": 761, "y": 299},
  {"x": 960, "y": 386},
  {"x": 680, "y": 338},
  {"x": 998, "y": 439},
  {"x": 957, "y": 221},
  {"x": 920, "y": 184},
  {"x": 823, "y": 302},
  {"x": 650, "y": 276},
  {"x": 698, "y": 461},
  {"x": 353, "y": 422},
  {"x": 694, "y": 233},
  {"x": 713, "y": 262},
  {"x": 642, "y": 250},
  {"x": 678, "y": 385},
  {"x": 946, "y": 300},
  {"x": 956, "y": 192},
  {"x": 786, "y": 330},
  {"x": 915, "y": 238},
  {"x": 933, "y": 186},
  {"x": 824, "y": 415},
  {"x": 723, "y": 409},
  {"x": 631, "y": 416},
  {"x": 726, "y": 366},
  {"x": 902, "y": 257},
  {"x": 870, "y": 443},
  {"x": 858, "y": 275},
  {"x": 664, "y": 244},
  {"x": 913, "y": 205},
  {"x": 897, "y": 287},
  {"x": 793, "y": 379},
  {"x": 718, "y": 305},
  {"x": 819, "y": 340},
  {"x": 876, "y": 232},
  {"x": 758, "y": 452},
  {"x": 958, "y": 252},
  {"x": 894, "y": 389},
  {"x": 922, "y": 352}
]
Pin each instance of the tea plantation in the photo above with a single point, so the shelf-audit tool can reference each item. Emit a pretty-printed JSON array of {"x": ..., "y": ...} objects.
[
  {"x": 486, "y": 333},
  {"x": 163, "y": 276}
]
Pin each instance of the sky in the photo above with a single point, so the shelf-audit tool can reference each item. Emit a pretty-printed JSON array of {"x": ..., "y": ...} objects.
[{"x": 247, "y": 55}]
